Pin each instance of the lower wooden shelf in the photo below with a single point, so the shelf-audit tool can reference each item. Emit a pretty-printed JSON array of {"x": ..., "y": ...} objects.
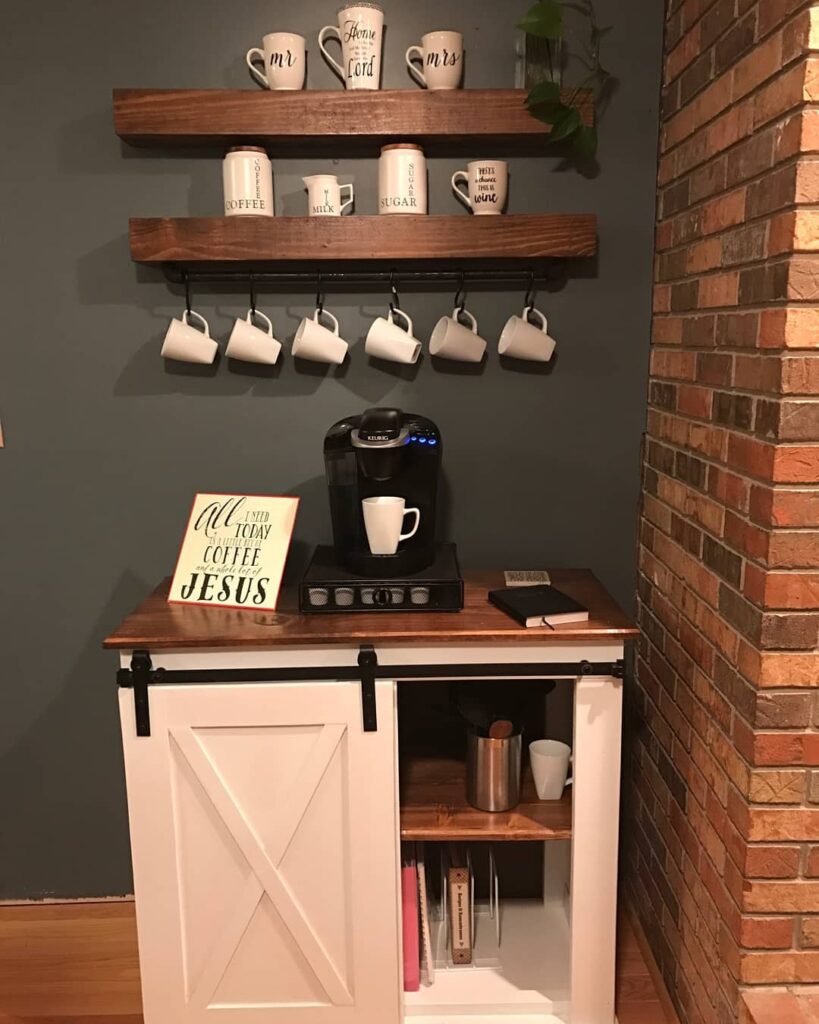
[
  {"x": 434, "y": 807},
  {"x": 249, "y": 239}
]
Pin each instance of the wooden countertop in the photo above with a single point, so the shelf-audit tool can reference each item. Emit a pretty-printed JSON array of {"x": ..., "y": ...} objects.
[{"x": 157, "y": 625}]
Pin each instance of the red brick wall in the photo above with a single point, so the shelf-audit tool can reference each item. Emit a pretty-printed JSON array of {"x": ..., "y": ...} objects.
[{"x": 722, "y": 804}]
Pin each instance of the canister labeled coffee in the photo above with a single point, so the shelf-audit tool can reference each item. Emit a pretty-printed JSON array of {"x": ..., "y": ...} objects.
[
  {"x": 247, "y": 175},
  {"x": 402, "y": 179}
]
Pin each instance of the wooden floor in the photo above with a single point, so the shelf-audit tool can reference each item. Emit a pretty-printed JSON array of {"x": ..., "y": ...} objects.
[{"x": 66, "y": 962}]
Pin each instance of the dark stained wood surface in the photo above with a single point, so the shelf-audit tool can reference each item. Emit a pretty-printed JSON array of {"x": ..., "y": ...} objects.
[
  {"x": 172, "y": 117},
  {"x": 434, "y": 807},
  {"x": 157, "y": 625},
  {"x": 387, "y": 237}
]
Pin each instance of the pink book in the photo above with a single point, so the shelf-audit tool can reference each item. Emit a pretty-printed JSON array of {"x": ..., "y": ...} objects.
[{"x": 409, "y": 914}]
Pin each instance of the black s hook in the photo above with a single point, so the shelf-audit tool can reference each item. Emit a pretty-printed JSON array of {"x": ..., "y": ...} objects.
[
  {"x": 530, "y": 291},
  {"x": 319, "y": 295},
  {"x": 395, "y": 302},
  {"x": 187, "y": 281},
  {"x": 460, "y": 294},
  {"x": 252, "y": 294}
]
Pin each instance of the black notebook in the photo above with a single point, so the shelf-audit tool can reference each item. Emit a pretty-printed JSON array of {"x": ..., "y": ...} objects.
[{"x": 538, "y": 606}]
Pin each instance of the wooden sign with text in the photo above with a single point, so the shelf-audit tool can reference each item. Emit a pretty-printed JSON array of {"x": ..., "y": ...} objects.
[{"x": 234, "y": 550}]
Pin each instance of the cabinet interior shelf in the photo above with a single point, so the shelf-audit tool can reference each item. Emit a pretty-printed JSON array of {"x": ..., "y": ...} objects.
[
  {"x": 434, "y": 807},
  {"x": 443, "y": 120},
  {"x": 396, "y": 237}
]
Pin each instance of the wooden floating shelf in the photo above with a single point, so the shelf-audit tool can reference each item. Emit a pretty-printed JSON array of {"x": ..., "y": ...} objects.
[
  {"x": 462, "y": 237},
  {"x": 193, "y": 117},
  {"x": 434, "y": 807}
]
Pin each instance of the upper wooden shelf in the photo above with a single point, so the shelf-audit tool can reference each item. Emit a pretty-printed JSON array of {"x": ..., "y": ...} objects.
[
  {"x": 191, "y": 117},
  {"x": 392, "y": 237},
  {"x": 434, "y": 807}
]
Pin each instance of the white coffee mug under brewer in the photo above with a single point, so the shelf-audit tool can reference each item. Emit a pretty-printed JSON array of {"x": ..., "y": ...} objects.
[
  {"x": 402, "y": 179},
  {"x": 360, "y": 31},
  {"x": 383, "y": 519},
  {"x": 284, "y": 61}
]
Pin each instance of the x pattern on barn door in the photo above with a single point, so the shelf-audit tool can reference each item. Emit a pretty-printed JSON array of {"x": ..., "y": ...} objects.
[{"x": 263, "y": 837}]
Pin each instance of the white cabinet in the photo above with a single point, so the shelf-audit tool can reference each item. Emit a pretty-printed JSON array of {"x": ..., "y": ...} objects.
[{"x": 265, "y": 848}]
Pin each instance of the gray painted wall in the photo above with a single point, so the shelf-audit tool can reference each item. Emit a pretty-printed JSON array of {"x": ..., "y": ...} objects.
[{"x": 105, "y": 445}]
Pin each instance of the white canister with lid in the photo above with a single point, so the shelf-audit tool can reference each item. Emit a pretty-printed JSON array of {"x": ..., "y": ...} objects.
[
  {"x": 247, "y": 175},
  {"x": 402, "y": 179}
]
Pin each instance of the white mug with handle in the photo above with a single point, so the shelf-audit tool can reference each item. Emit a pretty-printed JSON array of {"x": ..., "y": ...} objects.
[
  {"x": 550, "y": 760},
  {"x": 487, "y": 183},
  {"x": 250, "y": 343},
  {"x": 442, "y": 59},
  {"x": 386, "y": 340},
  {"x": 284, "y": 61},
  {"x": 383, "y": 519},
  {"x": 317, "y": 343},
  {"x": 521, "y": 339},
  {"x": 188, "y": 344},
  {"x": 452, "y": 339},
  {"x": 360, "y": 31}
]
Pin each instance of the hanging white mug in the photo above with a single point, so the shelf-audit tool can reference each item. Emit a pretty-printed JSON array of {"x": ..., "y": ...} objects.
[
  {"x": 284, "y": 61},
  {"x": 325, "y": 196},
  {"x": 188, "y": 344},
  {"x": 386, "y": 340},
  {"x": 360, "y": 31},
  {"x": 252, "y": 345},
  {"x": 453, "y": 340},
  {"x": 317, "y": 343},
  {"x": 521, "y": 339},
  {"x": 487, "y": 184},
  {"x": 442, "y": 60}
]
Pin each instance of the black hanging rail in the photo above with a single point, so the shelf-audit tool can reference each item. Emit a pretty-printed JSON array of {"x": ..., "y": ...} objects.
[{"x": 306, "y": 279}]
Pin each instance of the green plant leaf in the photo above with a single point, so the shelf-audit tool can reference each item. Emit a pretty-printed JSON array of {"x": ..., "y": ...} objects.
[
  {"x": 566, "y": 125},
  {"x": 544, "y": 92},
  {"x": 544, "y": 20},
  {"x": 549, "y": 113},
  {"x": 585, "y": 142}
]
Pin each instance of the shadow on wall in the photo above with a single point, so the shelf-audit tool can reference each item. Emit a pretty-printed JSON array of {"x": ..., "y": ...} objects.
[{"x": 81, "y": 729}]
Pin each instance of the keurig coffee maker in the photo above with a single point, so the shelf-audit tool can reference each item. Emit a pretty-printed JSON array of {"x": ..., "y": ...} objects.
[
  {"x": 382, "y": 452},
  {"x": 382, "y": 474}
]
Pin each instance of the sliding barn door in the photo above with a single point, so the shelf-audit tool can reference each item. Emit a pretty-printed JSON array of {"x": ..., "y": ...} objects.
[{"x": 263, "y": 831}]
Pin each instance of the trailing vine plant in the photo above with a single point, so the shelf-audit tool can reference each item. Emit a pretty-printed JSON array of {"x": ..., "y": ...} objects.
[{"x": 545, "y": 100}]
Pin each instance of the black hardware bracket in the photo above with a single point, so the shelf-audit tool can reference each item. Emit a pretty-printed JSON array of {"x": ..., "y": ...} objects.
[
  {"x": 141, "y": 675},
  {"x": 368, "y": 663}
]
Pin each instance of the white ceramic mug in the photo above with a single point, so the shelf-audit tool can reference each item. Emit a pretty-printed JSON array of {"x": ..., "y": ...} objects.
[
  {"x": 442, "y": 60},
  {"x": 452, "y": 340},
  {"x": 521, "y": 339},
  {"x": 252, "y": 345},
  {"x": 386, "y": 340},
  {"x": 317, "y": 343},
  {"x": 550, "y": 761},
  {"x": 383, "y": 519},
  {"x": 325, "y": 196},
  {"x": 188, "y": 344},
  {"x": 284, "y": 61},
  {"x": 487, "y": 183},
  {"x": 360, "y": 31}
]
